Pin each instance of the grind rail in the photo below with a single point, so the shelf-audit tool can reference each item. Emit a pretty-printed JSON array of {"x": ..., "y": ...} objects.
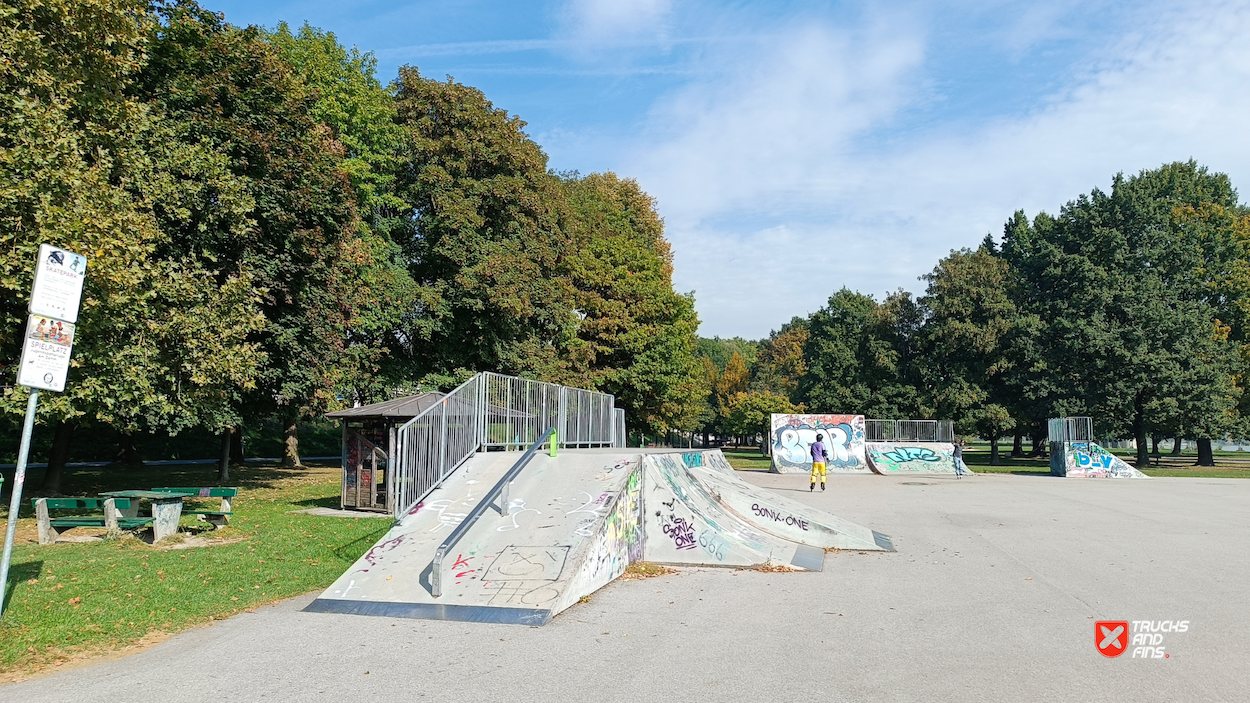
[{"x": 500, "y": 491}]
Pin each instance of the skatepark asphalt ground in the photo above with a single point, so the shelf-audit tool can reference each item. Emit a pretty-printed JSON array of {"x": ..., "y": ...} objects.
[{"x": 992, "y": 596}]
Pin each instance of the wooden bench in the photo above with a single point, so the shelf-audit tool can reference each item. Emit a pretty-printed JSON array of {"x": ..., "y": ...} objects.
[
  {"x": 112, "y": 518},
  {"x": 218, "y": 518}
]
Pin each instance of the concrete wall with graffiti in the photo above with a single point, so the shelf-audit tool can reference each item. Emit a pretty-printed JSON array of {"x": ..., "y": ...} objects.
[
  {"x": 911, "y": 457},
  {"x": 793, "y": 435},
  {"x": 1088, "y": 460},
  {"x": 616, "y": 542}
]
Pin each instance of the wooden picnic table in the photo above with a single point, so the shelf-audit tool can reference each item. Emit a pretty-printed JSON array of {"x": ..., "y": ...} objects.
[{"x": 166, "y": 509}]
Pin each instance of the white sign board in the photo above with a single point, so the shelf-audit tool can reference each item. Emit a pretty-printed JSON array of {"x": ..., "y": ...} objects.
[
  {"x": 58, "y": 283},
  {"x": 45, "y": 353}
]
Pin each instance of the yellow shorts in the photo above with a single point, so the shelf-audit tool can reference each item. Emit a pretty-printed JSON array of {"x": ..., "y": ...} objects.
[{"x": 818, "y": 469}]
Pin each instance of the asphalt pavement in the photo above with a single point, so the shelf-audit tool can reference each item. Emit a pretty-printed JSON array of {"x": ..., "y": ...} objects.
[{"x": 993, "y": 595}]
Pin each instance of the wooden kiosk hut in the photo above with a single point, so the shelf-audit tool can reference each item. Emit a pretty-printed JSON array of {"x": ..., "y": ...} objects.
[{"x": 369, "y": 443}]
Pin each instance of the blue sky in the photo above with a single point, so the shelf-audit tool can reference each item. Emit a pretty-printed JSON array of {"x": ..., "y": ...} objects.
[{"x": 795, "y": 148}]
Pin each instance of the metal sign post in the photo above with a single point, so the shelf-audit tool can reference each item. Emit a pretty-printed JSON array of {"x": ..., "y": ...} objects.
[{"x": 46, "y": 348}]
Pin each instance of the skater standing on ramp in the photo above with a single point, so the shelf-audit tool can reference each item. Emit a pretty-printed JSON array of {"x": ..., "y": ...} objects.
[{"x": 818, "y": 462}]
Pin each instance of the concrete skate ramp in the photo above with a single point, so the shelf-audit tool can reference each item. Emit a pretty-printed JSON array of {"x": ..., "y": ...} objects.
[
  {"x": 571, "y": 526},
  {"x": 782, "y": 517},
  {"x": 1088, "y": 460},
  {"x": 685, "y": 524},
  {"x": 911, "y": 457}
]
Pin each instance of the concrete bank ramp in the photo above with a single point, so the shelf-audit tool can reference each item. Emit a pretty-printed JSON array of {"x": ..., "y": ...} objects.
[
  {"x": 911, "y": 457},
  {"x": 783, "y": 517},
  {"x": 1089, "y": 460},
  {"x": 571, "y": 525},
  {"x": 685, "y": 524},
  {"x": 574, "y": 523}
]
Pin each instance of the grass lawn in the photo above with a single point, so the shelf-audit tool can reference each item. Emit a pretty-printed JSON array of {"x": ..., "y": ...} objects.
[
  {"x": 747, "y": 459},
  {"x": 68, "y": 601}
]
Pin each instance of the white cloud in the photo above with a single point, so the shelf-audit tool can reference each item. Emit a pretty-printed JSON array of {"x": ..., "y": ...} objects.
[
  {"x": 597, "y": 20},
  {"x": 782, "y": 166}
]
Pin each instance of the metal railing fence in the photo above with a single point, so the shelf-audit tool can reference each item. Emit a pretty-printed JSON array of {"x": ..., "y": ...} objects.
[
  {"x": 1070, "y": 429},
  {"x": 878, "y": 430},
  {"x": 494, "y": 411},
  {"x": 909, "y": 431},
  {"x": 619, "y": 438},
  {"x": 437, "y": 441}
]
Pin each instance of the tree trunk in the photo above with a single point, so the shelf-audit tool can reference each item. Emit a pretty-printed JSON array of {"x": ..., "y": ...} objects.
[
  {"x": 56, "y": 458},
  {"x": 1176, "y": 447},
  {"x": 1017, "y": 446},
  {"x": 236, "y": 446},
  {"x": 1139, "y": 434},
  {"x": 1039, "y": 440},
  {"x": 223, "y": 466},
  {"x": 127, "y": 453},
  {"x": 1154, "y": 444},
  {"x": 993, "y": 451},
  {"x": 290, "y": 444},
  {"x": 705, "y": 437},
  {"x": 1205, "y": 456}
]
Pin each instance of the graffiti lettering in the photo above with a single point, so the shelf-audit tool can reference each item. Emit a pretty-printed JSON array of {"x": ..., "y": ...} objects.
[
  {"x": 1087, "y": 461},
  {"x": 461, "y": 567},
  {"x": 521, "y": 592},
  {"x": 776, "y": 516},
  {"x": 713, "y": 544},
  {"x": 379, "y": 549},
  {"x": 692, "y": 459},
  {"x": 793, "y": 436},
  {"x": 607, "y": 472},
  {"x": 905, "y": 454},
  {"x": 680, "y": 530}
]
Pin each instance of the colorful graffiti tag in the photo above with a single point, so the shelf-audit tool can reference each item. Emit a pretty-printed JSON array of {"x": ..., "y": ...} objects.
[
  {"x": 793, "y": 436},
  {"x": 927, "y": 458},
  {"x": 1088, "y": 460}
]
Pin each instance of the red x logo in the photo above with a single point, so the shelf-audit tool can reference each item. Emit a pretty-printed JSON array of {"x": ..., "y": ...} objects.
[{"x": 1111, "y": 637}]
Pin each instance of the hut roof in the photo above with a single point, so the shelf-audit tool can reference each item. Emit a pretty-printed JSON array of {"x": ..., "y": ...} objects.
[{"x": 406, "y": 407}]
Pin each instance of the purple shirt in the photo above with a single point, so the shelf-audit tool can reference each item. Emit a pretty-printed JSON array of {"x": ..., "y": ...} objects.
[{"x": 818, "y": 452}]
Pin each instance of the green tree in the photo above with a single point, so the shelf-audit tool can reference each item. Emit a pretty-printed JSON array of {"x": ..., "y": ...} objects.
[
  {"x": 971, "y": 322},
  {"x": 721, "y": 350},
  {"x": 1132, "y": 333},
  {"x": 635, "y": 336},
  {"x": 483, "y": 241},
  {"x": 861, "y": 357},
  {"x": 749, "y": 413},
  {"x": 228, "y": 89},
  {"x": 161, "y": 341},
  {"x": 781, "y": 365},
  {"x": 361, "y": 114}
]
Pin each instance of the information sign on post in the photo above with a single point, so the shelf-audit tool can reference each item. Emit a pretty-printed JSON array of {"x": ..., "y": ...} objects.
[
  {"x": 45, "y": 353},
  {"x": 46, "y": 346},
  {"x": 58, "y": 283}
]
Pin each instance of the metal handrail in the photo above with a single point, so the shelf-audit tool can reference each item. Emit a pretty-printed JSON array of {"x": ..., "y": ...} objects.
[{"x": 500, "y": 489}]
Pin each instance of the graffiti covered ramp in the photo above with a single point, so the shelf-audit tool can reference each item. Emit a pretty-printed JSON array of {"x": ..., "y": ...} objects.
[
  {"x": 911, "y": 457},
  {"x": 568, "y": 529},
  {"x": 574, "y": 523},
  {"x": 785, "y": 518},
  {"x": 1089, "y": 460},
  {"x": 686, "y": 520}
]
